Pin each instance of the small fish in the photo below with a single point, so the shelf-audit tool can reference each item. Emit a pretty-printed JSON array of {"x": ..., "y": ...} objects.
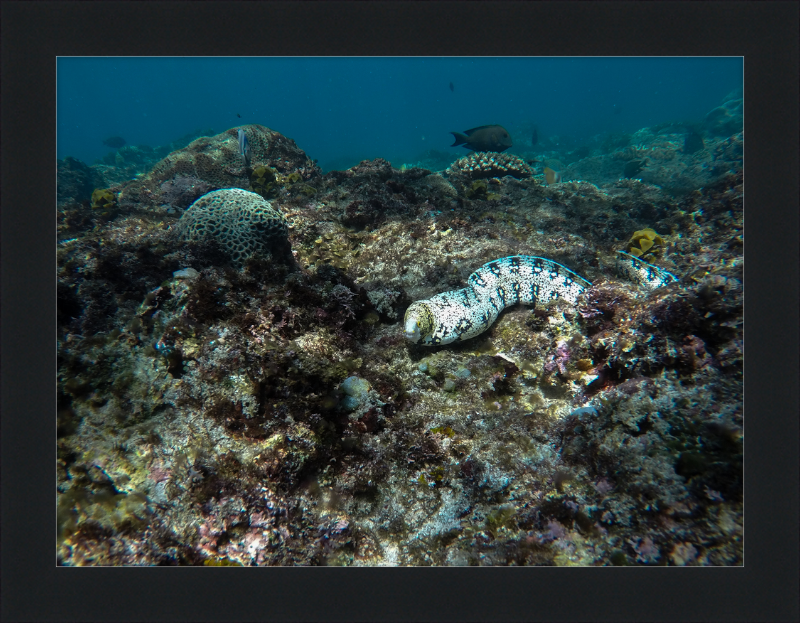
[
  {"x": 535, "y": 136},
  {"x": 114, "y": 141},
  {"x": 238, "y": 115},
  {"x": 633, "y": 168},
  {"x": 693, "y": 142},
  {"x": 552, "y": 177},
  {"x": 244, "y": 147},
  {"x": 484, "y": 138},
  {"x": 452, "y": 88}
]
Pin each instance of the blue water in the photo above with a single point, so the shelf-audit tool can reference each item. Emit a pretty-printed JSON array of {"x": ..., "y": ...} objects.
[{"x": 340, "y": 109}]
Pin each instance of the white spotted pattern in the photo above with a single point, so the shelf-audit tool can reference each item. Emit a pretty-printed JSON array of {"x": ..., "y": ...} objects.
[
  {"x": 462, "y": 314},
  {"x": 639, "y": 271}
]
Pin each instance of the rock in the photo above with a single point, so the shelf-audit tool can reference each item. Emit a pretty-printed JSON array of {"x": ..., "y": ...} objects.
[
  {"x": 76, "y": 180},
  {"x": 725, "y": 120}
]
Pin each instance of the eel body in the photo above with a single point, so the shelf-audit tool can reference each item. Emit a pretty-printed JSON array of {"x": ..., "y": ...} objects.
[{"x": 462, "y": 314}]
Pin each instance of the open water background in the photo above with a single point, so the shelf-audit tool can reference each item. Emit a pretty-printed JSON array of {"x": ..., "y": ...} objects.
[{"x": 343, "y": 110}]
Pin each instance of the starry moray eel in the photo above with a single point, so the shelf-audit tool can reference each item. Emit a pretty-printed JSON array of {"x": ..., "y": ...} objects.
[{"x": 462, "y": 314}]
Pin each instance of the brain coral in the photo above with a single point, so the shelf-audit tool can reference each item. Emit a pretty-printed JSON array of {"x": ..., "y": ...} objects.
[
  {"x": 482, "y": 165},
  {"x": 243, "y": 223}
]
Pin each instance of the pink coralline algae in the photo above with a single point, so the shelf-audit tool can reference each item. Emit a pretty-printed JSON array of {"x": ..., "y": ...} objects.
[
  {"x": 646, "y": 550},
  {"x": 558, "y": 360}
]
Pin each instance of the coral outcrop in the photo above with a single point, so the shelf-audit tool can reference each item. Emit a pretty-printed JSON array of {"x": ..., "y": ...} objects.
[
  {"x": 216, "y": 161},
  {"x": 240, "y": 222},
  {"x": 180, "y": 192},
  {"x": 481, "y": 165},
  {"x": 76, "y": 180},
  {"x": 726, "y": 119}
]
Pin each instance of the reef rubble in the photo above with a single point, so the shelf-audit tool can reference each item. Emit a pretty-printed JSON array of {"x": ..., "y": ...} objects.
[{"x": 272, "y": 413}]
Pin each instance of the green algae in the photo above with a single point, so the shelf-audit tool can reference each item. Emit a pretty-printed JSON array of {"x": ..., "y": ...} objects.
[
  {"x": 444, "y": 430},
  {"x": 645, "y": 243},
  {"x": 221, "y": 562},
  {"x": 103, "y": 199},
  {"x": 499, "y": 519},
  {"x": 478, "y": 190},
  {"x": 263, "y": 181}
]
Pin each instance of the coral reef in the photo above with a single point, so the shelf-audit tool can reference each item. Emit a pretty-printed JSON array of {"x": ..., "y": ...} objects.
[
  {"x": 677, "y": 157},
  {"x": 731, "y": 149},
  {"x": 659, "y": 159},
  {"x": 220, "y": 409},
  {"x": 216, "y": 161}
]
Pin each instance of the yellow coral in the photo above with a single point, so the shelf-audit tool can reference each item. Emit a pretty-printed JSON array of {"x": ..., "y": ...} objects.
[
  {"x": 645, "y": 242},
  {"x": 478, "y": 190},
  {"x": 262, "y": 181},
  {"x": 221, "y": 562},
  {"x": 103, "y": 198}
]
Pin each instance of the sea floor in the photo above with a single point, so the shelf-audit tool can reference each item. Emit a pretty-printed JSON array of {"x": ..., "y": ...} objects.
[{"x": 271, "y": 411}]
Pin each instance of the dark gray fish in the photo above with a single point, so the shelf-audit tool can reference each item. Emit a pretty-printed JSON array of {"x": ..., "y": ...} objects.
[
  {"x": 452, "y": 88},
  {"x": 484, "y": 138},
  {"x": 114, "y": 141},
  {"x": 693, "y": 142},
  {"x": 633, "y": 168},
  {"x": 244, "y": 147}
]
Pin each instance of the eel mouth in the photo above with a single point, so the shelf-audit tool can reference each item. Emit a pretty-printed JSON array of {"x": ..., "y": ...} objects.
[
  {"x": 417, "y": 322},
  {"x": 412, "y": 330}
]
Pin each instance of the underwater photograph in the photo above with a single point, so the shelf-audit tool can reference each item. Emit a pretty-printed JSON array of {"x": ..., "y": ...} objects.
[{"x": 400, "y": 311}]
